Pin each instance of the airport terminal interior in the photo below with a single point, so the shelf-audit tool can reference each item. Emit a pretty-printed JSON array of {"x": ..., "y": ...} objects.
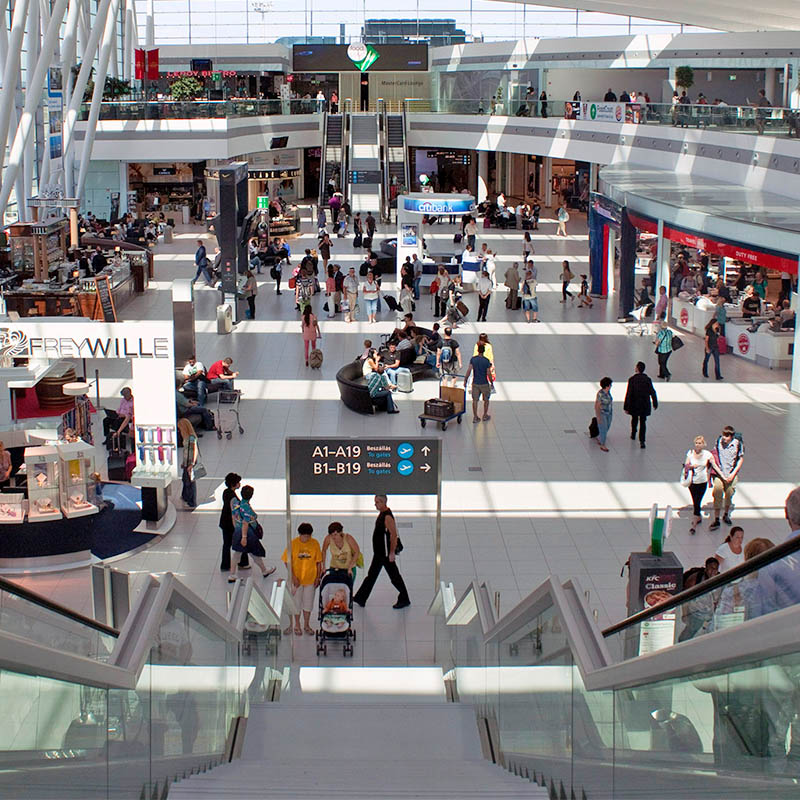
[{"x": 399, "y": 406}]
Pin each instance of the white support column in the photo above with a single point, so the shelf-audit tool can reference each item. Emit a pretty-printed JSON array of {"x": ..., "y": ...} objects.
[
  {"x": 127, "y": 41},
  {"x": 32, "y": 99},
  {"x": 71, "y": 113},
  {"x": 483, "y": 175},
  {"x": 612, "y": 246},
  {"x": 33, "y": 94},
  {"x": 150, "y": 30},
  {"x": 123, "y": 188},
  {"x": 97, "y": 96},
  {"x": 794, "y": 384},
  {"x": 11, "y": 69},
  {"x": 12, "y": 86},
  {"x": 662, "y": 261},
  {"x": 548, "y": 182}
]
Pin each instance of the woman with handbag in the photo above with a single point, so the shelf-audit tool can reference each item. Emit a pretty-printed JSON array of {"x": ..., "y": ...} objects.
[
  {"x": 191, "y": 457},
  {"x": 247, "y": 533},
  {"x": 695, "y": 477},
  {"x": 663, "y": 343}
]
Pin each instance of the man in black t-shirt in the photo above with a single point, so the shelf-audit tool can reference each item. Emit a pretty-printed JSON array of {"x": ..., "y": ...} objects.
[
  {"x": 448, "y": 354},
  {"x": 480, "y": 368},
  {"x": 232, "y": 482}
]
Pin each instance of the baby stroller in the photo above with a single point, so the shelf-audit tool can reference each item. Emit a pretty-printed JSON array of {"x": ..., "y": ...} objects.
[{"x": 336, "y": 611}]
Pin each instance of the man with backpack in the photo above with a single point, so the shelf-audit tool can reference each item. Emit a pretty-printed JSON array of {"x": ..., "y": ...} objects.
[
  {"x": 448, "y": 354},
  {"x": 729, "y": 456}
]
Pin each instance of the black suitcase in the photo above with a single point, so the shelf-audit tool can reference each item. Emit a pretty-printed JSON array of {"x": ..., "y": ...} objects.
[
  {"x": 392, "y": 303},
  {"x": 358, "y": 239},
  {"x": 367, "y": 243},
  {"x": 518, "y": 303},
  {"x": 457, "y": 238},
  {"x": 116, "y": 466}
]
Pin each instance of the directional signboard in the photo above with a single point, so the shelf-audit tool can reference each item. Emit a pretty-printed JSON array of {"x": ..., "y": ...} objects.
[{"x": 362, "y": 466}]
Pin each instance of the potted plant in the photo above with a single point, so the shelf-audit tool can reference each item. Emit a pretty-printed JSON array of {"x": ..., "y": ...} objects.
[
  {"x": 684, "y": 77},
  {"x": 185, "y": 88}
]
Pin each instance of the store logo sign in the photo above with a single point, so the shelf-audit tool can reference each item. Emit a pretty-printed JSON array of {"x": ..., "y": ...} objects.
[
  {"x": 15, "y": 343},
  {"x": 593, "y": 111},
  {"x": 684, "y": 317},
  {"x": 743, "y": 343},
  {"x": 362, "y": 55}
]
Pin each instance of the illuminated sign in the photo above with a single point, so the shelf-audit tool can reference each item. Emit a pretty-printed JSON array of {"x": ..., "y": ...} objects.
[{"x": 454, "y": 205}]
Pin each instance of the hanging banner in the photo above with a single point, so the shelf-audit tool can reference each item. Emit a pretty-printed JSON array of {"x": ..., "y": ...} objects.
[
  {"x": 139, "y": 64},
  {"x": 152, "y": 64}
]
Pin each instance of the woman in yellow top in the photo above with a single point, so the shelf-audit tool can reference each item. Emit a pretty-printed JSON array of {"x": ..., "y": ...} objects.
[
  {"x": 343, "y": 548},
  {"x": 487, "y": 347},
  {"x": 306, "y": 571}
]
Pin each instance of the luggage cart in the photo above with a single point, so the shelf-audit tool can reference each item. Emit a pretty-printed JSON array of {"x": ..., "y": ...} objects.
[
  {"x": 452, "y": 389},
  {"x": 228, "y": 412}
]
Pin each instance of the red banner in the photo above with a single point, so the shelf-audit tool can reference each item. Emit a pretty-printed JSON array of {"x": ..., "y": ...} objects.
[
  {"x": 152, "y": 65},
  {"x": 139, "y": 64}
]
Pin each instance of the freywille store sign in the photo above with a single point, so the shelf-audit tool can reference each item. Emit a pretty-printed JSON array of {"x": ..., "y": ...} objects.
[{"x": 90, "y": 340}]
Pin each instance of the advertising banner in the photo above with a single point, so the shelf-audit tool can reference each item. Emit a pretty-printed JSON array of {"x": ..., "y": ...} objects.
[{"x": 602, "y": 112}]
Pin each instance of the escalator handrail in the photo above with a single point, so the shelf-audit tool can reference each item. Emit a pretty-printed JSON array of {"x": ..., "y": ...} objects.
[
  {"x": 50, "y": 605},
  {"x": 780, "y": 551},
  {"x": 322, "y": 160}
]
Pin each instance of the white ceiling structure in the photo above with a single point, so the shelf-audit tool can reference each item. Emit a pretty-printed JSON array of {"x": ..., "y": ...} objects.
[{"x": 724, "y": 15}]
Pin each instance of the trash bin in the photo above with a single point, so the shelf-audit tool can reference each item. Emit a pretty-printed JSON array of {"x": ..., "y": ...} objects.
[
  {"x": 167, "y": 234},
  {"x": 224, "y": 318}
]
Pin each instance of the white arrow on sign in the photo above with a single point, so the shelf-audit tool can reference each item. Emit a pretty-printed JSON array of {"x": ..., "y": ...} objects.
[
  {"x": 426, "y": 467},
  {"x": 425, "y": 451}
]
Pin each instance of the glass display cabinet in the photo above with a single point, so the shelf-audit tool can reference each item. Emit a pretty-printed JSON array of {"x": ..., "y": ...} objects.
[
  {"x": 76, "y": 467},
  {"x": 41, "y": 466},
  {"x": 12, "y": 507}
]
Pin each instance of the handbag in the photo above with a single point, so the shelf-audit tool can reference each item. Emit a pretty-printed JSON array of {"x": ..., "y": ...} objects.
[
  {"x": 434, "y": 286},
  {"x": 256, "y": 528},
  {"x": 292, "y": 282},
  {"x": 199, "y": 470},
  {"x": 677, "y": 343},
  {"x": 594, "y": 428},
  {"x": 686, "y": 476}
]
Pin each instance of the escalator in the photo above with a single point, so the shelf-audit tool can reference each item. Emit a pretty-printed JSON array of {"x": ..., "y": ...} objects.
[
  {"x": 712, "y": 713},
  {"x": 364, "y": 164},
  {"x": 395, "y": 160},
  {"x": 332, "y": 164}
]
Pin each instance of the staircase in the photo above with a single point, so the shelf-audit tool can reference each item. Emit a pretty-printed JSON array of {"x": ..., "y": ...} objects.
[
  {"x": 332, "y": 152},
  {"x": 365, "y": 164},
  {"x": 360, "y": 745}
]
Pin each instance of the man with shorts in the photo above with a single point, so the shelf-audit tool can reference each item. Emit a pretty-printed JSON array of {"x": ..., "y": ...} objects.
[
  {"x": 479, "y": 367},
  {"x": 729, "y": 455}
]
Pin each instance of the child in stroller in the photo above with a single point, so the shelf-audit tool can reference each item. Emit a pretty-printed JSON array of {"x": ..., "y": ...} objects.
[{"x": 336, "y": 611}]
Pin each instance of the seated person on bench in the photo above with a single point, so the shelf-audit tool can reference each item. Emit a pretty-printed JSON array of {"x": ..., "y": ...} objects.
[
  {"x": 114, "y": 425},
  {"x": 194, "y": 378},
  {"x": 220, "y": 375},
  {"x": 196, "y": 414},
  {"x": 380, "y": 390}
]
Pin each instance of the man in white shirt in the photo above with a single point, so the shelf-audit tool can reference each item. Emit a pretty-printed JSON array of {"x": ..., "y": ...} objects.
[
  {"x": 484, "y": 288},
  {"x": 350, "y": 287},
  {"x": 194, "y": 374},
  {"x": 471, "y": 230}
]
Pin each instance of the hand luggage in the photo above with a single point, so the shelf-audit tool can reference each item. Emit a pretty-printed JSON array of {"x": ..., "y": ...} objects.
[
  {"x": 358, "y": 239},
  {"x": 404, "y": 380},
  {"x": 594, "y": 429},
  {"x": 518, "y": 303},
  {"x": 315, "y": 358},
  {"x": 462, "y": 308},
  {"x": 367, "y": 243},
  {"x": 486, "y": 222},
  {"x": 722, "y": 343},
  {"x": 457, "y": 238}
]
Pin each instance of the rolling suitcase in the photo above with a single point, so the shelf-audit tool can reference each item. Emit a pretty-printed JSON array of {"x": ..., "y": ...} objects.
[
  {"x": 315, "y": 358},
  {"x": 404, "y": 381}
]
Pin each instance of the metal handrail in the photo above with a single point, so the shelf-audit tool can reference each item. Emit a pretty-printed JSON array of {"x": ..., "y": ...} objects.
[
  {"x": 732, "y": 575},
  {"x": 323, "y": 156},
  {"x": 57, "y": 608}
]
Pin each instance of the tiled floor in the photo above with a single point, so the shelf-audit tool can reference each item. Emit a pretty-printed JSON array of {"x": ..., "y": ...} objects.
[{"x": 525, "y": 495}]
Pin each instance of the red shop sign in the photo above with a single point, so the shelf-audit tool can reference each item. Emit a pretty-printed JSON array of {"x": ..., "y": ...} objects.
[
  {"x": 684, "y": 317},
  {"x": 743, "y": 343},
  {"x": 758, "y": 258}
]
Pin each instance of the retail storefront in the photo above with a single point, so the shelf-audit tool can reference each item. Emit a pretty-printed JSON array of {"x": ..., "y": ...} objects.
[
  {"x": 718, "y": 236},
  {"x": 174, "y": 188},
  {"x": 56, "y": 479}
]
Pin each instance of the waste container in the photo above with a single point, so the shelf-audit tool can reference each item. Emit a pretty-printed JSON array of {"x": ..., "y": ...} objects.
[
  {"x": 224, "y": 318},
  {"x": 167, "y": 234}
]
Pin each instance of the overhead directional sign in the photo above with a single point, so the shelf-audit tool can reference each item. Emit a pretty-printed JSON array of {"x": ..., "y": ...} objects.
[{"x": 363, "y": 466}]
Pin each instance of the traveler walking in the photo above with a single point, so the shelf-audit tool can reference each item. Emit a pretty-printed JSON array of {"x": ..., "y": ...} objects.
[
  {"x": 385, "y": 547},
  {"x": 731, "y": 552},
  {"x": 310, "y": 328},
  {"x": 248, "y": 533},
  {"x": 694, "y": 476},
  {"x": 370, "y": 291},
  {"x": 232, "y": 483},
  {"x": 530, "y": 302},
  {"x": 637, "y": 402},
  {"x": 663, "y": 343},
  {"x": 351, "y": 294},
  {"x": 201, "y": 262},
  {"x": 712, "y": 348},
  {"x": 566, "y": 276},
  {"x": 563, "y": 219},
  {"x": 728, "y": 458},
  {"x": 603, "y": 411},
  {"x": 479, "y": 367}
]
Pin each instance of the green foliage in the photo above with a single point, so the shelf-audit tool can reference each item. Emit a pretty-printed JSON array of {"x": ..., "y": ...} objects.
[
  {"x": 684, "y": 77},
  {"x": 115, "y": 88},
  {"x": 186, "y": 88}
]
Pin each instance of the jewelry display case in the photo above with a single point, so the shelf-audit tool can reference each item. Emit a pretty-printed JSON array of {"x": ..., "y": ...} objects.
[
  {"x": 12, "y": 507},
  {"x": 41, "y": 466},
  {"x": 76, "y": 465}
]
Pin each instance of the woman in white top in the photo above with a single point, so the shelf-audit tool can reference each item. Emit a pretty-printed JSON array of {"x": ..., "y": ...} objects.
[
  {"x": 527, "y": 246},
  {"x": 369, "y": 291},
  {"x": 731, "y": 552},
  {"x": 370, "y": 363},
  {"x": 695, "y": 476}
]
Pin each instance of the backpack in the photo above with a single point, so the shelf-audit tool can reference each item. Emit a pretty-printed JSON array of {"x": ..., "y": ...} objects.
[
  {"x": 737, "y": 437},
  {"x": 447, "y": 354}
]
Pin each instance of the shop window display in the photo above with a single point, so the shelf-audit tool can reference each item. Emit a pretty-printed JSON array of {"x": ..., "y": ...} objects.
[
  {"x": 12, "y": 507},
  {"x": 76, "y": 465},
  {"x": 155, "y": 448},
  {"x": 41, "y": 466}
]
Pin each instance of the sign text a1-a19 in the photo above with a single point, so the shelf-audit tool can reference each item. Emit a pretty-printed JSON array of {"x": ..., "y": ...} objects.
[{"x": 363, "y": 466}]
